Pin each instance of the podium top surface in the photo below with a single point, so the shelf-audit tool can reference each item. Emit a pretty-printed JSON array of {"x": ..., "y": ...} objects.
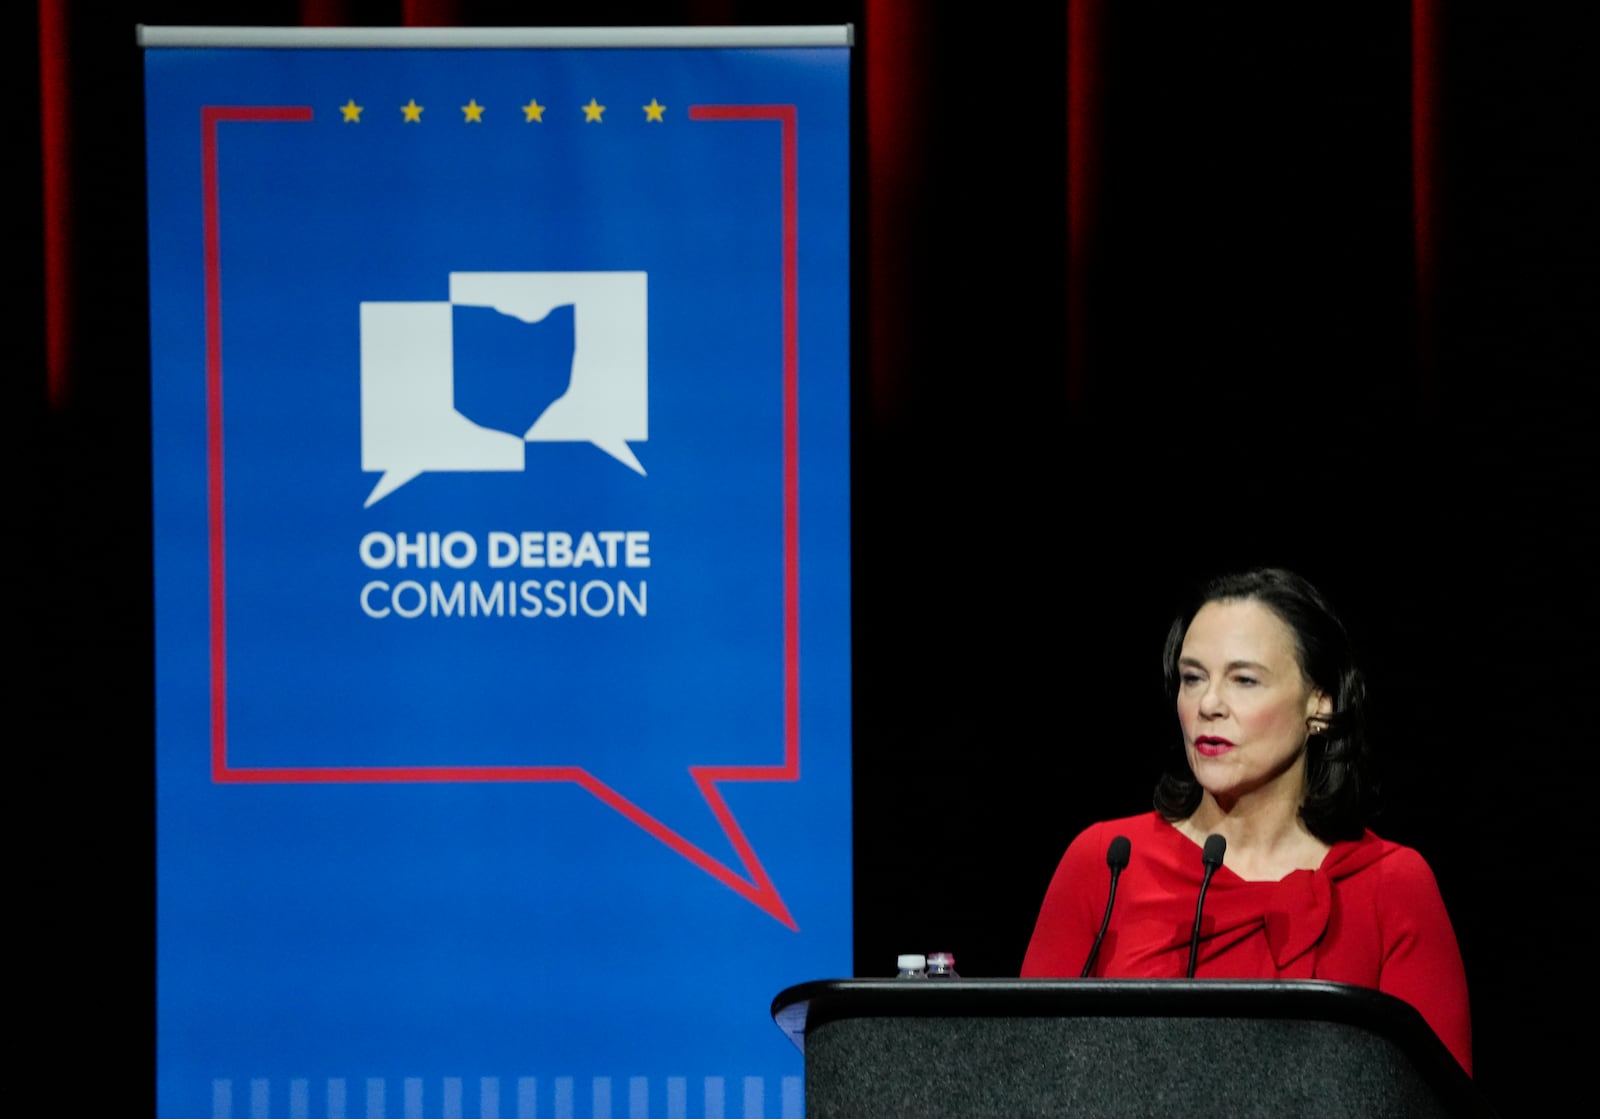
[{"x": 807, "y": 1004}]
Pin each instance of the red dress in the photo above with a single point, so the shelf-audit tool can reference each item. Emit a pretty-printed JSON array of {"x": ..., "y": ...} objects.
[{"x": 1370, "y": 915}]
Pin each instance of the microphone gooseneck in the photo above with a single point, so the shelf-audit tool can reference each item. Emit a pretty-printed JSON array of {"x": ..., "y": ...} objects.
[
  {"x": 1117, "y": 859},
  {"x": 1211, "y": 858}
]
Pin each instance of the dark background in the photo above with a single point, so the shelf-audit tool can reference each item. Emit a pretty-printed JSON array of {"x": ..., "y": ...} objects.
[{"x": 1248, "y": 355}]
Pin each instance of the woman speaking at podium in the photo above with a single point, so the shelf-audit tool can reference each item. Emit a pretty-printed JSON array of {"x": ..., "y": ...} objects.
[{"x": 1256, "y": 862}]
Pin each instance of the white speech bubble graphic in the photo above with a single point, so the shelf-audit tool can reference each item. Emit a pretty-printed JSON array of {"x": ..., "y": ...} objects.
[
  {"x": 607, "y": 399},
  {"x": 409, "y": 423}
]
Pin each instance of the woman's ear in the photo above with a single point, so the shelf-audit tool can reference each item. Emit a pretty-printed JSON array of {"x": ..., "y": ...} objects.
[{"x": 1319, "y": 709}]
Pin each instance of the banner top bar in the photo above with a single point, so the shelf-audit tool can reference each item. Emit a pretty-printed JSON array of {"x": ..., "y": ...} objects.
[{"x": 841, "y": 35}]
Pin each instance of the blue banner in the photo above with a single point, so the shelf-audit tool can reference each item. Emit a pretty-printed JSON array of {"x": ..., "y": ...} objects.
[{"x": 501, "y": 488}]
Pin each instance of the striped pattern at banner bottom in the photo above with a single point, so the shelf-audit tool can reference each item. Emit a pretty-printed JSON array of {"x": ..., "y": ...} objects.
[{"x": 370, "y": 1100}]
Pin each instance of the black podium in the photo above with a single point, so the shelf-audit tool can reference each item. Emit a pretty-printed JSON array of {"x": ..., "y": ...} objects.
[{"x": 1045, "y": 1047}]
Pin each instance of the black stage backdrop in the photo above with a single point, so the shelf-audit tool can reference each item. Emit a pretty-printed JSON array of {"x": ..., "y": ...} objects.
[{"x": 1306, "y": 318}]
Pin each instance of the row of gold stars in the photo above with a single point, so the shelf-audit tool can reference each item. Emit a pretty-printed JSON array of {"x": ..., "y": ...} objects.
[{"x": 532, "y": 112}]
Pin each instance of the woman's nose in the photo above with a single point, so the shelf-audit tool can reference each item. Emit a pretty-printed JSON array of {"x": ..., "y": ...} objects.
[{"x": 1211, "y": 703}]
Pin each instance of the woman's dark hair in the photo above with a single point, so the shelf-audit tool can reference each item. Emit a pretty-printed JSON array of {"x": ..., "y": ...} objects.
[{"x": 1339, "y": 781}]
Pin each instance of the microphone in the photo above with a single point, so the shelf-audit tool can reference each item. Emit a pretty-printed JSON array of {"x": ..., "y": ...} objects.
[
  {"x": 1211, "y": 856},
  {"x": 1117, "y": 859}
]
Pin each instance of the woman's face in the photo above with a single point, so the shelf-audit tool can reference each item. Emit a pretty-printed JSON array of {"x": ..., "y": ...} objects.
[{"x": 1243, "y": 702}]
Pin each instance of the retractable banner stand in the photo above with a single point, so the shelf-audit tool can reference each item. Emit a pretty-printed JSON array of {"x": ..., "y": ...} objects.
[{"x": 500, "y": 428}]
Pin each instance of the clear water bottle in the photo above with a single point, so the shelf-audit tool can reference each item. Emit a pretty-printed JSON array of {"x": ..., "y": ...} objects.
[
  {"x": 942, "y": 965},
  {"x": 913, "y": 965}
]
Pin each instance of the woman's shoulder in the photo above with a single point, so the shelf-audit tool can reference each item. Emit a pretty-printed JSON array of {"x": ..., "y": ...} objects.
[
  {"x": 1136, "y": 827},
  {"x": 1395, "y": 864}
]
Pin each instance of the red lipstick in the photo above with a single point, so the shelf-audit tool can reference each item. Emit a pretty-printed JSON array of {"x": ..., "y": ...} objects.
[{"x": 1210, "y": 746}]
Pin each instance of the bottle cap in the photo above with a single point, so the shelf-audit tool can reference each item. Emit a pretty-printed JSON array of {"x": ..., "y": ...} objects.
[{"x": 911, "y": 961}]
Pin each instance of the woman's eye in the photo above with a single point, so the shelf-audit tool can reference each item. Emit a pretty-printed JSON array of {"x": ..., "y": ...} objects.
[
  {"x": 1189, "y": 678},
  {"x": 1246, "y": 681}
]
